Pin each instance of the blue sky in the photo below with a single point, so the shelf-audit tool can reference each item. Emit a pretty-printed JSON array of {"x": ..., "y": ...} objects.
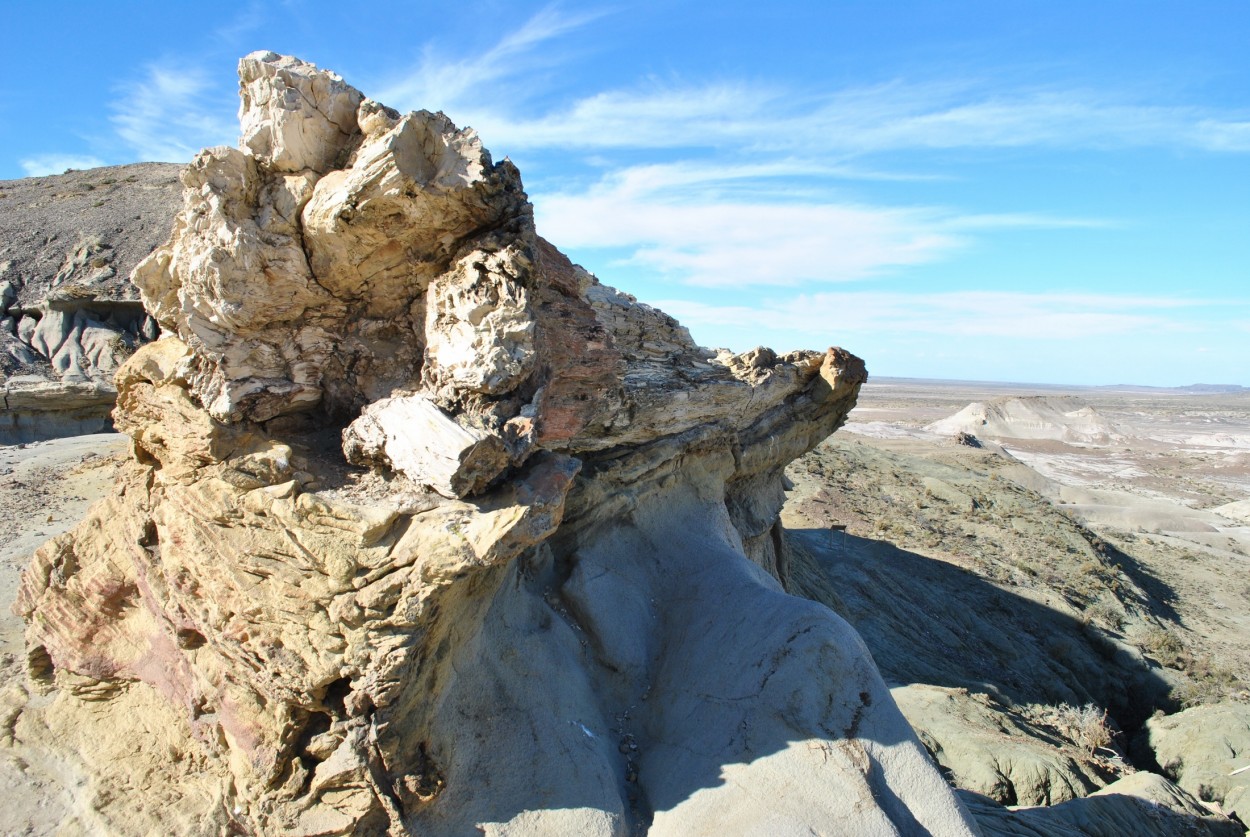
[{"x": 1052, "y": 192}]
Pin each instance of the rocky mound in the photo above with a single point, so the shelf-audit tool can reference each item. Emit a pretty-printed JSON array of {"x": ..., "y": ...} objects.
[
  {"x": 427, "y": 531},
  {"x": 69, "y": 315},
  {"x": 1143, "y": 803},
  {"x": 1058, "y": 418},
  {"x": 1206, "y": 750}
]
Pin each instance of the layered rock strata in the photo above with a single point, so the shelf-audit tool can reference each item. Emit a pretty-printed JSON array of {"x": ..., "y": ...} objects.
[
  {"x": 69, "y": 315},
  {"x": 428, "y": 531}
]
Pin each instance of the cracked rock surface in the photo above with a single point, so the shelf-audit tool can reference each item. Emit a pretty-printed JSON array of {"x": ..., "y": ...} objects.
[{"x": 426, "y": 531}]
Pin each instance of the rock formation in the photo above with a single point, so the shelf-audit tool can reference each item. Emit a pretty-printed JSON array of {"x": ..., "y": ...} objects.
[
  {"x": 1062, "y": 418},
  {"x": 1206, "y": 750},
  {"x": 1010, "y": 631},
  {"x": 1139, "y": 804},
  {"x": 69, "y": 315},
  {"x": 427, "y": 531}
]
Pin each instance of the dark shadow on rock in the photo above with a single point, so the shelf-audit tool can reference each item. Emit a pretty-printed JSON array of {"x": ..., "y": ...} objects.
[
  {"x": 1100, "y": 815},
  {"x": 655, "y": 680},
  {"x": 928, "y": 621}
]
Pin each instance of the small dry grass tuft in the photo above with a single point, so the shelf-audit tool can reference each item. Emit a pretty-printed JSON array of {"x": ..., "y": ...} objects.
[{"x": 1086, "y": 726}]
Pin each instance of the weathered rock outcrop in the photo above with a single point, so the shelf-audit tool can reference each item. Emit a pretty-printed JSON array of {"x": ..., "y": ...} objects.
[
  {"x": 69, "y": 315},
  {"x": 1005, "y": 755},
  {"x": 427, "y": 531},
  {"x": 1140, "y": 804},
  {"x": 1062, "y": 418},
  {"x": 1206, "y": 750}
]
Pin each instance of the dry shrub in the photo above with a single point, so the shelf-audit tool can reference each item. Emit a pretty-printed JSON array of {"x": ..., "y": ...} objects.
[
  {"x": 1210, "y": 681},
  {"x": 1086, "y": 726},
  {"x": 1164, "y": 646},
  {"x": 1106, "y": 613}
]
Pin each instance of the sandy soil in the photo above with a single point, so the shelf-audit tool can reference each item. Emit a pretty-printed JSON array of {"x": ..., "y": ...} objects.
[{"x": 45, "y": 489}]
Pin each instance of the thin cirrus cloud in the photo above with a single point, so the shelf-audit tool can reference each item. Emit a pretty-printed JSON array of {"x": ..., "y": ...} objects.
[
  {"x": 1223, "y": 135},
  {"x": 916, "y": 116},
  {"x": 166, "y": 113},
  {"x": 171, "y": 112},
  {"x": 441, "y": 82},
  {"x": 963, "y": 314},
  {"x": 495, "y": 92},
  {"x": 863, "y": 120},
  {"x": 43, "y": 164},
  {"x": 724, "y": 226}
]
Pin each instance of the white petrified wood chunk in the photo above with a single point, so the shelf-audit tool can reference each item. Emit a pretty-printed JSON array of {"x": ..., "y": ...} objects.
[
  {"x": 412, "y": 435},
  {"x": 292, "y": 115},
  {"x": 479, "y": 329}
]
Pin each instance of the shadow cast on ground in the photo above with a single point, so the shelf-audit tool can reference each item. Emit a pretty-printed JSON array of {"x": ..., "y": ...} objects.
[{"x": 929, "y": 621}]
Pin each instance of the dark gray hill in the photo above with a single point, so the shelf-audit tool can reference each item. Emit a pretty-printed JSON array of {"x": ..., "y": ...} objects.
[{"x": 68, "y": 312}]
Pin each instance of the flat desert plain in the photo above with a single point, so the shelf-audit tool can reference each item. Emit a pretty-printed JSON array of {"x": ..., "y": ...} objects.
[{"x": 1170, "y": 463}]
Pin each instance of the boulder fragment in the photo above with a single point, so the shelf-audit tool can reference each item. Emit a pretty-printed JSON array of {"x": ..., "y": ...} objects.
[
  {"x": 411, "y": 435},
  {"x": 1204, "y": 749}
]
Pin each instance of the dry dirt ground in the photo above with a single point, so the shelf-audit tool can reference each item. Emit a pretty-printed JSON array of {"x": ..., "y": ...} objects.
[{"x": 45, "y": 489}]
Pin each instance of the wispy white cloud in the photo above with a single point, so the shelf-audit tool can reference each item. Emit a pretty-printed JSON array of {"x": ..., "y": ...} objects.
[
  {"x": 702, "y": 116},
  {"x": 863, "y": 120},
  {"x": 718, "y": 243},
  {"x": 42, "y": 164},
  {"x": 171, "y": 112},
  {"x": 1226, "y": 135},
  {"x": 441, "y": 82},
  {"x": 723, "y": 226},
  {"x": 954, "y": 314},
  {"x": 234, "y": 29},
  {"x": 924, "y": 116}
]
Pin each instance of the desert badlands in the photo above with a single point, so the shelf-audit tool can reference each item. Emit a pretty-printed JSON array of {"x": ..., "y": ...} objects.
[{"x": 409, "y": 525}]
